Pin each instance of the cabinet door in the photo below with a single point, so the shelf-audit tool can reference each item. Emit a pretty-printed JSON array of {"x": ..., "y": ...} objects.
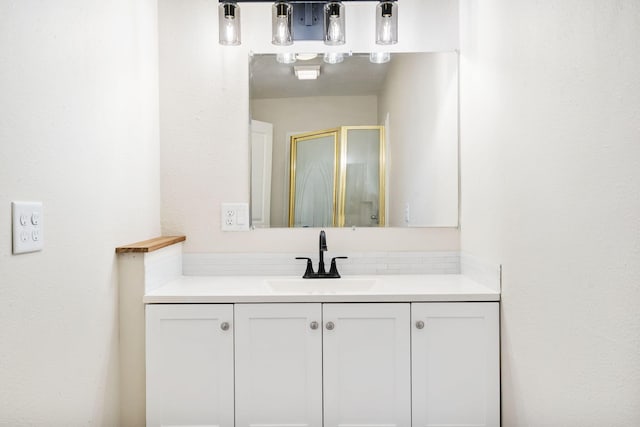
[
  {"x": 455, "y": 364},
  {"x": 189, "y": 365},
  {"x": 366, "y": 353},
  {"x": 278, "y": 365}
]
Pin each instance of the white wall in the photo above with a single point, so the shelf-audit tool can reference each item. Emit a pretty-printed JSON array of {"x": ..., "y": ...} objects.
[
  {"x": 204, "y": 118},
  {"x": 297, "y": 115},
  {"x": 79, "y": 132},
  {"x": 551, "y": 189},
  {"x": 420, "y": 101}
]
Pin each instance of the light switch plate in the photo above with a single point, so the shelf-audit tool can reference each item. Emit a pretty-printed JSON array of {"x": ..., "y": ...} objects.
[
  {"x": 234, "y": 216},
  {"x": 28, "y": 233}
]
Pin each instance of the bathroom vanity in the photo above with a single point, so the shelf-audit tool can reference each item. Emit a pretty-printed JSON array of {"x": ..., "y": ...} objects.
[{"x": 396, "y": 350}]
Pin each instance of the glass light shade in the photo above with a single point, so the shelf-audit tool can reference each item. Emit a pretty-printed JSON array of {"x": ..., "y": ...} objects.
[
  {"x": 379, "y": 57},
  {"x": 281, "y": 34},
  {"x": 334, "y": 27},
  {"x": 286, "y": 58},
  {"x": 229, "y": 23},
  {"x": 387, "y": 22},
  {"x": 333, "y": 57}
]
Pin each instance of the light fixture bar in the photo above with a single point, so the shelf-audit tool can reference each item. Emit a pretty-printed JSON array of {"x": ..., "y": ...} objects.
[
  {"x": 308, "y": 20},
  {"x": 300, "y": 1}
]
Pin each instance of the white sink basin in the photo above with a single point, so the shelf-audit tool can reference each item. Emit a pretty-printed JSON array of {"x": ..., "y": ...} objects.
[{"x": 320, "y": 286}]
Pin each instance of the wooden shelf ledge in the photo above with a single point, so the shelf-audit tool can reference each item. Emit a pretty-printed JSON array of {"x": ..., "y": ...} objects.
[{"x": 151, "y": 244}]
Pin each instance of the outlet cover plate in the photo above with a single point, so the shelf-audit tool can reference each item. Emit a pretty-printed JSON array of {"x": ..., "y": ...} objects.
[
  {"x": 28, "y": 235},
  {"x": 234, "y": 216}
]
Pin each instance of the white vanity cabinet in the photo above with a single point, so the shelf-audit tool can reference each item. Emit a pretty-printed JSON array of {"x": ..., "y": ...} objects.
[
  {"x": 190, "y": 365},
  {"x": 455, "y": 364},
  {"x": 367, "y": 364},
  {"x": 278, "y": 364},
  {"x": 323, "y": 364},
  {"x": 292, "y": 357}
]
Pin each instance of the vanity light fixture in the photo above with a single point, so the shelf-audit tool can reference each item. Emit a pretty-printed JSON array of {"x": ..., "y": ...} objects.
[
  {"x": 307, "y": 72},
  {"x": 281, "y": 33},
  {"x": 334, "y": 28},
  {"x": 229, "y": 23},
  {"x": 308, "y": 20},
  {"x": 387, "y": 22},
  {"x": 286, "y": 58},
  {"x": 333, "y": 57},
  {"x": 379, "y": 57}
]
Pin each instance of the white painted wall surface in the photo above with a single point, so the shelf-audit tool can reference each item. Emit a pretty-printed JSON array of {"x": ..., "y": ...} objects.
[
  {"x": 420, "y": 100},
  {"x": 79, "y": 132},
  {"x": 551, "y": 189},
  {"x": 204, "y": 122},
  {"x": 297, "y": 115}
]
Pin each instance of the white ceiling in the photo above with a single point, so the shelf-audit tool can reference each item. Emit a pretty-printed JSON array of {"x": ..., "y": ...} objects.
[{"x": 355, "y": 76}]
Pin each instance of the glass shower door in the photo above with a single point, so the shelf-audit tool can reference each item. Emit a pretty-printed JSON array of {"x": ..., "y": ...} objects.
[
  {"x": 362, "y": 195},
  {"x": 314, "y": 159}
]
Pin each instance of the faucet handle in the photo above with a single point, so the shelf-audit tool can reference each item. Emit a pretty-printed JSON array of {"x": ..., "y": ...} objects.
[
  {"x": 333, "y": 271},
  {"x": 309, "y": 271}
]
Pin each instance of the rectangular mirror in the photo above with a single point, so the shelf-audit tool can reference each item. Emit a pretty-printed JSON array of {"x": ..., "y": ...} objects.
[{"x": 360, "y": 145}]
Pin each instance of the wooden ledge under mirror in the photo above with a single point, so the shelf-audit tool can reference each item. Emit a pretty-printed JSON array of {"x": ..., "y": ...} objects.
[{"x": 363, "y": 145}]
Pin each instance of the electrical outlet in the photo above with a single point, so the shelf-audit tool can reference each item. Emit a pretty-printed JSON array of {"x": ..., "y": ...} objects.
[
  {"x": 234, "y": 216},
  {"x": 27, "y": 221}
]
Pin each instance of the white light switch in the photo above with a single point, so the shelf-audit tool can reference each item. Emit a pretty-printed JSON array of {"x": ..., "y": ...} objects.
[
  {"x": 234, "y": 216},
  {"x": 27, "y": 227}
]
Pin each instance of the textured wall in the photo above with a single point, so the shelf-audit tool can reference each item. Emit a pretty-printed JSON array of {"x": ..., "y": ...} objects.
[
  {"x": 550, "y": 188},
  {"x": 79, "y": 132},
  {"x": 204, "y": 116},
  {"x": 420, "y": 100}
]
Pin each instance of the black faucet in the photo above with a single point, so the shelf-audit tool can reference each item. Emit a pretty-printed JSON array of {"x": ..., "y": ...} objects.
[
  {"x": 322, "y": 274},
  {"x": 322, "y": 247}
]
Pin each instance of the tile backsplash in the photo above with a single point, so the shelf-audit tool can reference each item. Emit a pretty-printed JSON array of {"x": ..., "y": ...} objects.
[{"x": 276, "y": 264}]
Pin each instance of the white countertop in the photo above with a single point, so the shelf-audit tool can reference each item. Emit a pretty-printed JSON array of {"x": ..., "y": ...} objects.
[{"x": 382, "y": 288}]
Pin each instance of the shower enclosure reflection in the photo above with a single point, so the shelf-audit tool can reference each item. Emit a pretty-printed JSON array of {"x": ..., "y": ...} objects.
[
  {"x": 336, "y": 178},
  {"x": 314, "y": 172}
]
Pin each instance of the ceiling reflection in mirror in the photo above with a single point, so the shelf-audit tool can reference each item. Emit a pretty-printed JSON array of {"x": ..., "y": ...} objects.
[{"x": 355, "y": 144}]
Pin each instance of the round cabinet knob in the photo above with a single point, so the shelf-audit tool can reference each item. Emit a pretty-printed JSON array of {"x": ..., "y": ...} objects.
[
  {"x": 419, "y": 324},
  {"x": 224, "y": 326},
  {"x": 314, "y": 325},
  {"x": 330, "y": 326}
]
